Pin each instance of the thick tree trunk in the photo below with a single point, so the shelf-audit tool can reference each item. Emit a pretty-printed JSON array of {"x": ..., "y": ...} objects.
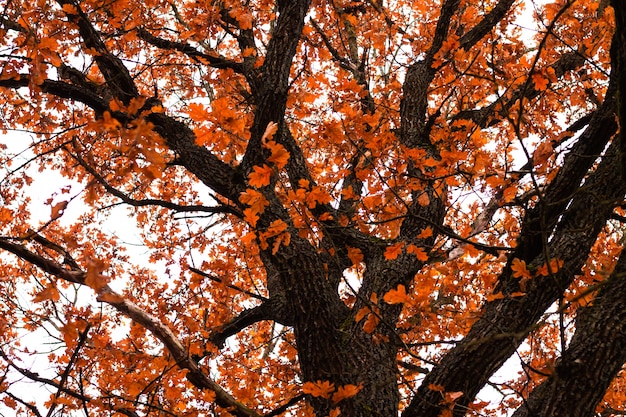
[{"x": 331, "y": 346}]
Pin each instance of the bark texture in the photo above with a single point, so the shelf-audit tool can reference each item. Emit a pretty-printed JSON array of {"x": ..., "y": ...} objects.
[{"x": 303, "y": 278}]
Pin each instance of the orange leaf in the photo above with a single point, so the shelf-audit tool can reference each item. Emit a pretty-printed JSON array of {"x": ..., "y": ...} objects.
[
  {"x": 255, "y": 200},
  {"x": 355, "y": 255},
  {"x": 317, "y": 195},
  {"x": 393, "y": 251},
  {"x": 346, "y": 391},
  {"x": 270, "y": 130},
  {"x": 57, "y": 210},
  {"x": 279, "y": 155},
  {"x": 493, "y": 297},
  {"x": 319, "y": 388},
  {"x": 197, "y": 112},
  {"x": 335, "y": 412},
  {"x": 361, "y": 314},
  {"x": 453, "y": 396},
  {"x": 519, "y": 269},
  {"x": 541, "y": 82},
  {"x": 48, "y": 293},
  {"x": 509, "y": 193},
  {"x": 423, "y": 200},
  {"x": 284, "y": 239},
  {"x": 275, "y": 228},
  {"x": 260, "y": 176},
  {"x": 70, "y": 9},
  {"x": 370, "y": 324},
  {"x": 94, "y": 277},
  {"x": 555, "y": 265},
  {"x": 418, "y": 252},
  {"x": 397, "y": 296},
  {"x": 426, "y": 233}
]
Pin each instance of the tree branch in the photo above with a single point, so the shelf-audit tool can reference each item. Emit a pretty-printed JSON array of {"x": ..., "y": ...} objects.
[
  {"x": 190, "y": 51},
  {"x": 34, "y": 376},
  {"x": 105, "y": 294},
  {"x": 62, "y": 90},
  {"x": 505, "y": 323},
  {"x": 117, "y": 76},
  {"x": 82, "y": 339},
  {"x": 150, "y": 201},
  {"x": 221, "y": 281},
  {"x": 585, "y": 370}
]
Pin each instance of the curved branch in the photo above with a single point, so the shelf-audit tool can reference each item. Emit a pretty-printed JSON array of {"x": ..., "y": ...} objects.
[
  {"x": 499, "y": 109},
  {"x": 150, "y": 201},
  {"x": 62, "y": 90},
  {"x": 105, "y": 294},
  {"x": 34, "y": 376},
  {"x": 484, "y": 26},
  {"x": 221, "y": 281},
  {"x": 117, "y": 76},
  {"x": 190, "y": 51}
]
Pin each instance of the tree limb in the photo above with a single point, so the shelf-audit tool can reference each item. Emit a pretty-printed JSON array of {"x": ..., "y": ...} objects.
[
  {"x": 190, "y": 51},
  {"x": 195, "y": 375}
]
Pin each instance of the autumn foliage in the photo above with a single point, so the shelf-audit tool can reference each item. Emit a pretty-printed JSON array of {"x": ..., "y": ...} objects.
[{"x": 329, "y": 207}]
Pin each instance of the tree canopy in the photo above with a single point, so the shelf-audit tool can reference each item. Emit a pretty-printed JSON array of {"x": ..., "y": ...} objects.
[{"x": 355, "y": 208}]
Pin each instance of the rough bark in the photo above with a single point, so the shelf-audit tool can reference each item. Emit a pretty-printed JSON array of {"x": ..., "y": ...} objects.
[
  {"x": 302, "y": 279},
  {"x": 595, "y": 355},
  {"x": 505, "y": 323}
]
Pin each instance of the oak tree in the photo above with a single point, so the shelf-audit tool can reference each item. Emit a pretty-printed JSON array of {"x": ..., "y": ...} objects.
[{"x": 356, "y": 208}]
